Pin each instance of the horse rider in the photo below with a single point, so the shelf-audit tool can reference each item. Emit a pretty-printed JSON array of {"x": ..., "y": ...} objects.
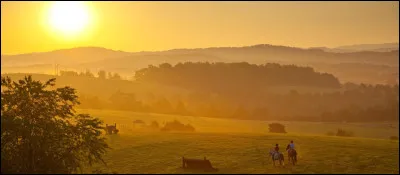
[
  {"x": 291, "y": 144},
  {"x": 276, "y": 148}
]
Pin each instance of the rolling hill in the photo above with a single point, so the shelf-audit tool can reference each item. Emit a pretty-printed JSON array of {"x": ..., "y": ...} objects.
[
  {"x": 126, "y": 63},
  {"x": 235, "y": 146}
]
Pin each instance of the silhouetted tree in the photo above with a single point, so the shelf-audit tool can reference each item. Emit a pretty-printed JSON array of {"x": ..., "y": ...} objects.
[
  {"x": 276, "y": 128},
  {"x": 125, "y": 101},
  {"x": 91, "y": 102},
  {"x": 88, "y": 73},
  {"x": 344, "y": 133},
  {"x": 68, "y": 73},
  {"x": 154, "y": 125},
  {"x": 109, "y": 75},
  {"x": 177, "y": 126},
  {"x": 102, "y": 74},
  {"x": 162, "y": 105},
  {"x": 40, "y": 132},
  {"x": 115, "y": 77}
]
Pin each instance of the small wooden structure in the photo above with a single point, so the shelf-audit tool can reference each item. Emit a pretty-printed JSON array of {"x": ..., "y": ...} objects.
[
  {"x": 112, "y": 129},
  {"x": 198, "y": 164}
]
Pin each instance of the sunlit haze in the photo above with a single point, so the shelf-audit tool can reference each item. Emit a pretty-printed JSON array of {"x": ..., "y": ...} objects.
[
  {"x": 147, "y": 26},
  {"x": 199, "y": 87}
]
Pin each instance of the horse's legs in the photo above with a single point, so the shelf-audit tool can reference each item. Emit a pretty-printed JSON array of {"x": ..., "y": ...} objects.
[
  {"x": 293, "y": 161},
  {"x": 273, "y": 159}
]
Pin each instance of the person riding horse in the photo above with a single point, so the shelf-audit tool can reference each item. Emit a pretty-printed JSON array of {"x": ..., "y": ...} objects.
[
  {"x": 292, "y": 153},
  {"x": 276, "y": 149},
  {"x": 290, "y": 146},
  {"x": 276, "y": 155}
]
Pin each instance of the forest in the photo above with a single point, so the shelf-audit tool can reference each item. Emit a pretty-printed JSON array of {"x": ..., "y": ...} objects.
[{"x": 240, "y": 91}]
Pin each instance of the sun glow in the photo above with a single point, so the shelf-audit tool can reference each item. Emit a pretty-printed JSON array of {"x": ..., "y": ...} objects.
[{"x": 68, "y": 18}]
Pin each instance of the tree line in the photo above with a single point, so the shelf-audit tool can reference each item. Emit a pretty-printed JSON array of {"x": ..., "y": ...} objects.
[
  {"x": 358, "y": 103},
  {"x": 234, "y": 77},
  {"x": 101, "y": 74},
  {"x": 225, "y": 94}
]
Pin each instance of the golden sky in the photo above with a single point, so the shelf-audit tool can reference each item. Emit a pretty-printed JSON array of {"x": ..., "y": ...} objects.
[{"x": 149, "y": 26}]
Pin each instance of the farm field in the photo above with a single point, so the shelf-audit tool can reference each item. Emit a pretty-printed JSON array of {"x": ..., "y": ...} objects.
[
  {"x": 235, "y": 146},
  {"x": 247, "y": 153},
  {"x": 125, "y": 120}
]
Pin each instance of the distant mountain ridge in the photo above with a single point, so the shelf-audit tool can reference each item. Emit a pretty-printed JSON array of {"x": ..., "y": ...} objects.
[
  {"x": 126, "y": 63},
  {"x": 385, "y": 47}
]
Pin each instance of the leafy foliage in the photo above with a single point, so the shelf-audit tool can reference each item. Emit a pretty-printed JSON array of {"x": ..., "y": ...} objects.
[
  {"x": 40, "y": 132},
  {"x": 235, "y": 77},
  {"x": 177, "y": 126},
  {"x": 351, "y": 103},
  {"x": 277, "y": 128},
  {"x": 344, "y": 133}
]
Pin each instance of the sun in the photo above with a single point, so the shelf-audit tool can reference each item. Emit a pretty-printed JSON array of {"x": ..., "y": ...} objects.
[{"x": 69, "y": 17}]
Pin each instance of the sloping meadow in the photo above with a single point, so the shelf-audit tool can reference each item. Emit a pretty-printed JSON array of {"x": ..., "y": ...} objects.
[{"x": 235, "y": 146}]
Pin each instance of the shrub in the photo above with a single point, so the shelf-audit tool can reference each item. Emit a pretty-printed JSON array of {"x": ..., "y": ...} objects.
[
  {"x": 177, "y": 126},
  {"x": 138, "y": 122},
  {"x": 344, "y": 133},
  {"x": 277, "y": 128},
  {"x": 154, "y": 124},
  {"x": 189, "y": 128}
]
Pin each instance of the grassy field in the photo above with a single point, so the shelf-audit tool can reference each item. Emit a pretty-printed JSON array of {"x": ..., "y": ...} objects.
[
  {"x": 247, "y": 153},
  {"x": 235, "y": 146},
  {"x": 125, "y": 120}
]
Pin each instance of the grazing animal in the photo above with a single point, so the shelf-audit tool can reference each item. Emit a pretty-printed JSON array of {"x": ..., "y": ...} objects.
[
  {"x": 276, "y": 156},
  {"x": 292, "y": 154},
  {"x": 111, "y": 129}
]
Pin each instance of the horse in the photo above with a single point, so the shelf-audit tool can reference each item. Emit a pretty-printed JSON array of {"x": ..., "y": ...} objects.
[
  {"x": 292, "y": 154},
  {"x": 276, "y": 156}
]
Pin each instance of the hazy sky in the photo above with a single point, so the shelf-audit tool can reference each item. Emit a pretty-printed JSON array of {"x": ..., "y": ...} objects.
[{"x": 138, "y": 26}]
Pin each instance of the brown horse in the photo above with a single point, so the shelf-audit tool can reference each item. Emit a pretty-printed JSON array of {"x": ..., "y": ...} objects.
[{"x": 292, "y": 154}]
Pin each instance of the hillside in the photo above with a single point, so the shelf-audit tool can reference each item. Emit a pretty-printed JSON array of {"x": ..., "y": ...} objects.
[
  {"x": 371, "y": 47},
  {"x": 205, "y": 124},
  {"x": 64, "y": 57},
  {"x": 126, "y": 63},
  {"x": 248, "y": 153},
  {"x": 269, "y": 99},
  {"x": 386, "y": 47},
  {"x": 90, "y": 86},
  {"x": 241, "y": 146}
]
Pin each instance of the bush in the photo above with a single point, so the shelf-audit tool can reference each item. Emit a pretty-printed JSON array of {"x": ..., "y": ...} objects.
[
  {"x": 344, "y": 133},
  {"x": 277, "y": 128},
  {"x": 154, "y": 124},
  {"x": 138, "y": 122},
  {"x": 189, "y": 128},
  {"x": 177, "y": 126},
  {"x": 394, "y": 138}
]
